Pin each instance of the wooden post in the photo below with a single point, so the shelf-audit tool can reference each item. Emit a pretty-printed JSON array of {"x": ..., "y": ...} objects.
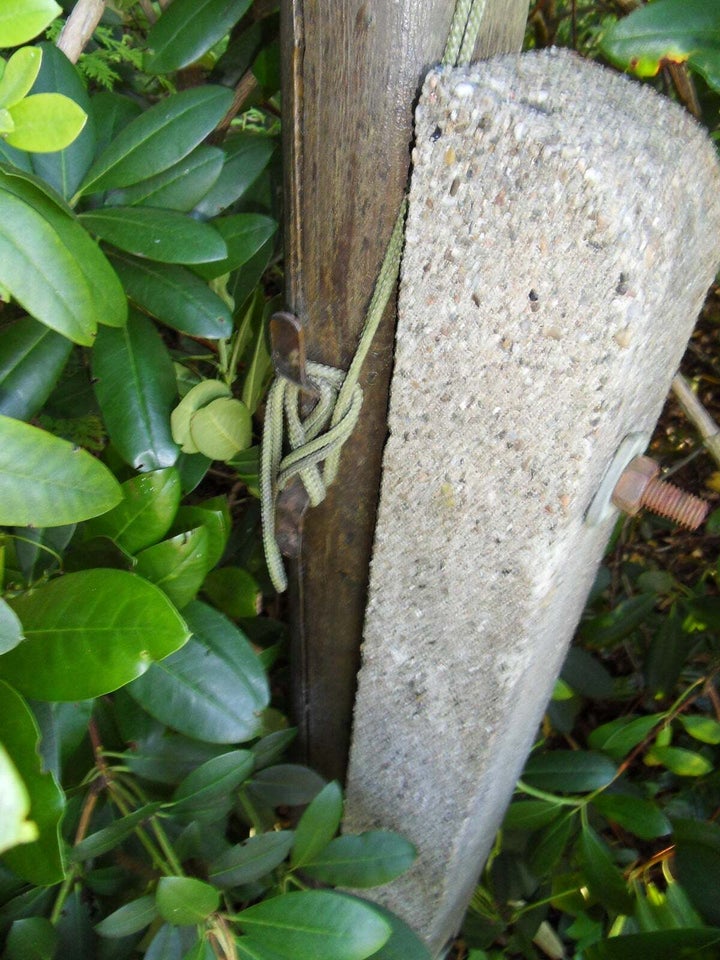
[{"x": 352, "y": 72}]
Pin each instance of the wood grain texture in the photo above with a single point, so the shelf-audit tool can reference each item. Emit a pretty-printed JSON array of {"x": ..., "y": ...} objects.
[{"x": 352, "y": 72}]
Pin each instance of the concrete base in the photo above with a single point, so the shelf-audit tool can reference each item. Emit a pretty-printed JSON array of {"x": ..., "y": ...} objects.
[{"x": 563, "y": 230}]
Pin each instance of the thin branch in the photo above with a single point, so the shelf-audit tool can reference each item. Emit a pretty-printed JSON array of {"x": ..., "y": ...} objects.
[
  {"x": 698, "y": 415},
  {"x": 147, "y": 8},
  {"x": 79, "y": 27},
  {"x": 244, "y": 88}
]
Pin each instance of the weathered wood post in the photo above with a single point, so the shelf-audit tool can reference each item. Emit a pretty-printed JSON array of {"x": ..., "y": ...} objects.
[{"x": 352, "y": 72}]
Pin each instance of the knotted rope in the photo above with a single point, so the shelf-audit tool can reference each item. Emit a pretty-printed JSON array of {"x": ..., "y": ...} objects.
[{"x": 318, "y": 438}]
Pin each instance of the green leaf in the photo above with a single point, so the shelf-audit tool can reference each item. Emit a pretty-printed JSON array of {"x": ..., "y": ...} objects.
[
  {"x": 214, "y": 689},
  {"x": 244, "y": 234},
  {"x": 247, "y": 155},
  {"x": 252, "y": 860},
  {"x": 178, "y": 565},
  {"x": 569, "y": 771},
  {"x": 602, "y": 877},
  {"x": 33, "y": 938},
  {"x": 112, "y": 113},
  {"x": 318, "y": 824},
  {"x": 175, "y": 296},
  {"x": 128, "y": 919},
  {"x": 180, "y": 187},
  {"x": 607, "y": 630},
  {"x": 15, "y": 827},
  {"x": 40, "y": 860},
  {"x": 158, "y": 138},
  {"x": 549, "y": 845},
  {"x": 222, "y": 428},
  {"x": 704, "y": 729},
  {"x": 366, "y": 860},
  {"x": 684, "y": 763},
  {"x": 195, "y": 399},
  {"x": 286, "y": 784},
  {"x": 45, "y": 481},
  {"x": 33, "y": 357},
  {"x": 10, "y": 629},
  {"x": 618, "y": 737},
  {"x": 404, "y": 943},
  {"x": 531, "y": 814},
  {"x": 666, "y": 657},
  {"x": 170, "y": 943},
  {"x": 135, "y": 387},
  {"x": 687, "y": 943},
  {"x": 233, "y": 591},
  {"x": 259, "y": 370},
  {"x": 212, "y": 514},
  {"x": 668, "y": 31},
  {"x": 63, "y": 727},
  {"x": 183, "y": 901},
  {"x": 89, "y": 633},
  {"x": 45, "y": 122},
  {"x": 271, "y": 747},
  {"x": 586, "y": 675},
  {"x": 65, "y": 169},
  {"x": 50, "y": 265},
  {"x": 210, "y": 786},
  {"x": 641, "y": 817},
  {"x": 316, "y": 923},
  {"x": 167, "y": 236},
  {"x": 106, "y": 839},
  {"x": 697, "y": 860},
  {"x": 189, "y": 29},
  {"x": 143, "y": 517},
  {"x": 19, "y": 75},
  {"x": 21, "y": 20}
]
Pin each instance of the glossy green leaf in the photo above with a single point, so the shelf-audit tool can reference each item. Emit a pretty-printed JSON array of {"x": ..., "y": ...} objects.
[
  {"x": 222, "y": 428},
  {"x": 180, "y": 187},
  {"x": 212, "y": 514},
  {"x": 251, "y": 860},
  {"x": 234, "y": 591},
  {"x": 608, "y": 629},
  {"x": 704, "y": 729},
  {"x": 286, "y": 784},
  {"x": 89, "y": 633},
  {"x": 65, "y": 169},
  {"x": 531, "y": 814},
  {"x": 33, "y": 938},
  {"x": 183, "y": 901},
  {"x": 685, "y": 944},
  {"x": 174, "y": 296},
  {"x": 143, "y": 517},
  {"x": 19, "y": 75},
  {"x": 10, "y": 628},
  {"x": 618, "y": 737},
  {"x": 404, "y": 943},
  {"x": 569, "y": 771},
  {"x": 316, "y": 923},
  {"x": 247, "y": 277},
  {"x": 195, "y": 399},
  {"x": 668, "y": 31},
  {"x": 363, "y": 860},
  {"x": 244, "y": 234},
  {"x": 45, "y": 122},
  {"x": 32, "y": 359},
  {"x": 318, "y": 824},
  {"x": 15, "y": 827},
  {"x": 187, "y": 30},
  {"x": 178, "y": 565},
  {"x": 135, "y": 387},
  {"x": 169, "y": 943},
  {"x": 158, "y": 138},
  {"x": 214, "y": 689},
  {"x": 666, "y": 656},
  {"x": 697, "y": 861},
  {"x": 247, "y": 155},
  {"x": 166, "y": 757},
  {"x": 46, "y": 481},
  {"x": 550, "y": 844},
  {"x": 641, "y": 817},
  {"x": 39, "y": 861},
  {"x": 21, "y": 20},
  {"x": 112, "y": 112},
  {"x": 271, "y": 747},
  {"x": 167, "y": 236},
  {"x": 259, "y": 367},
  {"x": 128, "y": 919},
  {"x": 605, "y": 881},
  {"x": 587, "y": 675},
  {"x": 49, "y": 264},
  {"x": 211, "y": 786},
  {"x": 106, "y": 839},
  {"x": 684, "y": 763},
  {"x": 63, "y": 727}
]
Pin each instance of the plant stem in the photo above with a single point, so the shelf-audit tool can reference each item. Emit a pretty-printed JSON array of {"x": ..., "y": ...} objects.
[{"x": 79, "y": 27}]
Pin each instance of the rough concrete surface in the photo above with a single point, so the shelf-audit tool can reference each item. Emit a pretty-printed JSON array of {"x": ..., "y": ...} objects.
[{"x": 563, "y": 230}]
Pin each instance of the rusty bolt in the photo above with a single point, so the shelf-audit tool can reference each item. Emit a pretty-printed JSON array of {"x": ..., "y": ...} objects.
[{"x": 640, "y": 487}]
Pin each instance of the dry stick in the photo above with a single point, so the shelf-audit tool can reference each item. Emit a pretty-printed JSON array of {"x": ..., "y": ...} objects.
[
  {"x": 245, "y": 87},
  {"x": 698, "y": 415},
  {"x": 79, "y": 27},
  {"x": 147, "y": 8}
]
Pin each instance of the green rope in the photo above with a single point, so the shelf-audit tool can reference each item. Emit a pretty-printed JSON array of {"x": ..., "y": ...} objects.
[{"x": 319, "y": 437}]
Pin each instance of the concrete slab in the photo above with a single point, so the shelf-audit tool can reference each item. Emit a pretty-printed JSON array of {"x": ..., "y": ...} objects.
[{"x": 563, "y": 230}]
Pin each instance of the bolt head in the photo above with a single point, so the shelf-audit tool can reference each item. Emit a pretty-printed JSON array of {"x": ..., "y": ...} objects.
[{"x": 628, "y": 493}]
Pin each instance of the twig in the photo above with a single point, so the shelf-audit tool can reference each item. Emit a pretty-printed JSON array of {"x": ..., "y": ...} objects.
[
  {"x": 698, "y": 415},
  {"x": 79, "y": 27},
  {"x": 244, "y": 88}
]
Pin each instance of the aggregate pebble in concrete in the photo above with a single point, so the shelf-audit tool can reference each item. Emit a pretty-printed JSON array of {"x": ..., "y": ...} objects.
[{"x": 563, "y": 230}]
